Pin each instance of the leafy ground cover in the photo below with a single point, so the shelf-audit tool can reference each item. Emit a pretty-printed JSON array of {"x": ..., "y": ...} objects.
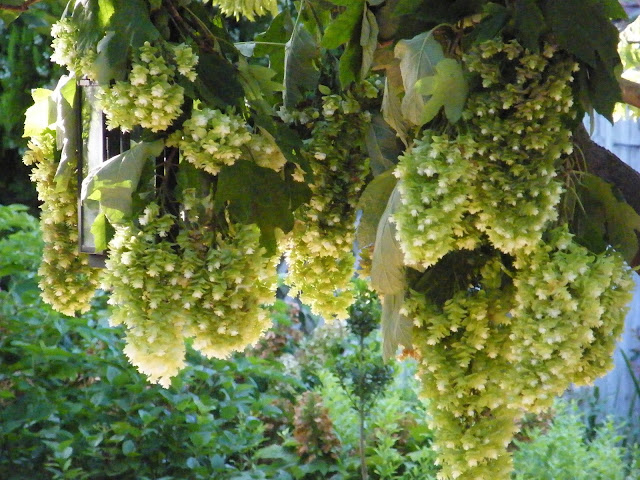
[{"x": 299, "y": 405}]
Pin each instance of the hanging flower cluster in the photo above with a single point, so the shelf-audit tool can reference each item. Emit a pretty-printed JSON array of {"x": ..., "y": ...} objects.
[
  {"x": 66, "y": 50},
  {"x": 66, "y": 280},
  {"x": 499, "y": 177},
  {"x": 211, "y": 139},
  {"x": 204, "y": 285},
  {"x": 247, "y": 8},
  {"x": 320, "y": 252},
  {"x": 150, "y": 97},
  {"x": 531, "y": 310}
]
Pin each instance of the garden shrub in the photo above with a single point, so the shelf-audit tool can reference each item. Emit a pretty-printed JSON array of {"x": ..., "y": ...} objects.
[
  {"x": 563, "y": 452},
  {"x": 72, "y": 407}
]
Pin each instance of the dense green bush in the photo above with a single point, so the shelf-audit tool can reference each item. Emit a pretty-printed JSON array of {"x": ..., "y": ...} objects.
[
  {"x": 563, "y": 451},
  {"x": 71, "y": 406}
]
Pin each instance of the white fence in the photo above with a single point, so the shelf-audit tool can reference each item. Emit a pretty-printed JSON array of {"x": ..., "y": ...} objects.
[{"x": 617, "y": 390}]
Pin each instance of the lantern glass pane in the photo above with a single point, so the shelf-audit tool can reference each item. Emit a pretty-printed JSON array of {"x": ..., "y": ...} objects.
[{"x": 92, "y": 157}]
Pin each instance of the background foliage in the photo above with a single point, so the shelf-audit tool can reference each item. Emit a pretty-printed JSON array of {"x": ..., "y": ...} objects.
[{"x": 72, "y": 407}]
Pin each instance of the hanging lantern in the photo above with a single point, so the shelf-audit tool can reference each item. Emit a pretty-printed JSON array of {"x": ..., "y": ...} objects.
[{"x": 97, "y": 144}]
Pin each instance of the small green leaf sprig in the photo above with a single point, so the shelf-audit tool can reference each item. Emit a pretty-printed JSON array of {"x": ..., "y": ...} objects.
[
  {"x": 320, "y": 249},
  {"x": 150, "y": 97},
  {"x": 211, "y": 139},
  {"x": 67, "y": 281},
  {"x": 247, "y": 8},
  {"x": 204, "y": 285}
]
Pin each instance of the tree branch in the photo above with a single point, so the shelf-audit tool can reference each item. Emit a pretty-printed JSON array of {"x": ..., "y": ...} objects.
[
  {"x": 606, "y": 165},
  {"x": 18, "y": 8},
  {"x": 630, "y": 92}
]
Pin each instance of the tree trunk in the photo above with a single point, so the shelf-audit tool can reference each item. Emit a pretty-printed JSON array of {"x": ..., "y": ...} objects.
[{"x": 606, "y": 165}]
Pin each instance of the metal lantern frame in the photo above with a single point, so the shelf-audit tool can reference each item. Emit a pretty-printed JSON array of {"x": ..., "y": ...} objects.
[{"x": 96, "y": 144}]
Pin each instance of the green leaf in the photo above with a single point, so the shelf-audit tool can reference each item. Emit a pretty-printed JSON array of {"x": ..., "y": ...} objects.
[
  {"x": 603, "y": 88},
  {"x": 606, "y": 219},
  {"x": 66, "y": 130},
  {"x": 447, "y": 88},
  {"x": 496, "y": 17},
  {"x": 217, "y": 83},
  {"x": 373, "y": 203},
  {"x": 383, "y": 146},
  {"x": 392, "y": 106},
  {"x": 388, "y": 279},
  {"x": 279, "y": 31},
  {"x": 397, "y": 329},
  {"x": 41, "y": 115},
  {"x": 439, "y": 11},
  {"x": 300, "y": 71},
  {"x": 8, "y": 16},
  {"x": 344, "y": 26},
  {"x": 418, "y": 58},
  {"x": 113, "y": 183},
  {"x": 107, "y": 9},
  {"x": 529, "y": 23},
  {"x": 350, "y": 63},
  {"x": 613, "y": 9},
  {"x": 257, "y": 82},
  {"x": 368, "y": 41},
  {"x": 127, "y": 26},
  {"x": 387, "y": 269},
  {"x": 253, "y": 194},
  {"x": 99, "y": 232},
  {"x": 592, "y": 37},
  {"x": 128, "y": 447}
]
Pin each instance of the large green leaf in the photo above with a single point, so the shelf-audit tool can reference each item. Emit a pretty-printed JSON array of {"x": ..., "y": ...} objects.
[
  {"x": 343, "y": 27},
  {"x": 418, "y": 58},
  {"x": 447, "y": 88},
  {"x": 529, "y": 23},
  {"x": 300, "y": 72},
  {"x": 350, "y": 62},
  {"x": 217, "y": 83},
  {"x": 592, "y": 37},
  {"x": 388, "y": 279},
  {"x": 41, "y": 115},
  {"x": 66, "y": 130},
  {"x": 373, "y": 204},
  {"x": 102, "y": 232},
  {"x": 392, "y": 107},
  {"x": 279, "y": 32},
  {"x": 613, "y": 9},
  {"x": 253, "y": 194},
  {"x": 594, "y": 41},
  {"x": 258, "y": 83},
  {"x": 127, "y": 26},
  {"x": 113, "y": 183},
  {"x": 605, "y": 219},
  {"x": 387, "y": 269},
  {"x": 368, "y": 41},
  {"x": 397, "y": 329},
  {"x": 383, "y": 145}
]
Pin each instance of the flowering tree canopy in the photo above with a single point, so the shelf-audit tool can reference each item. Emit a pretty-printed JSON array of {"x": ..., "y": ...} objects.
[{"x": 439, "y": 141}]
